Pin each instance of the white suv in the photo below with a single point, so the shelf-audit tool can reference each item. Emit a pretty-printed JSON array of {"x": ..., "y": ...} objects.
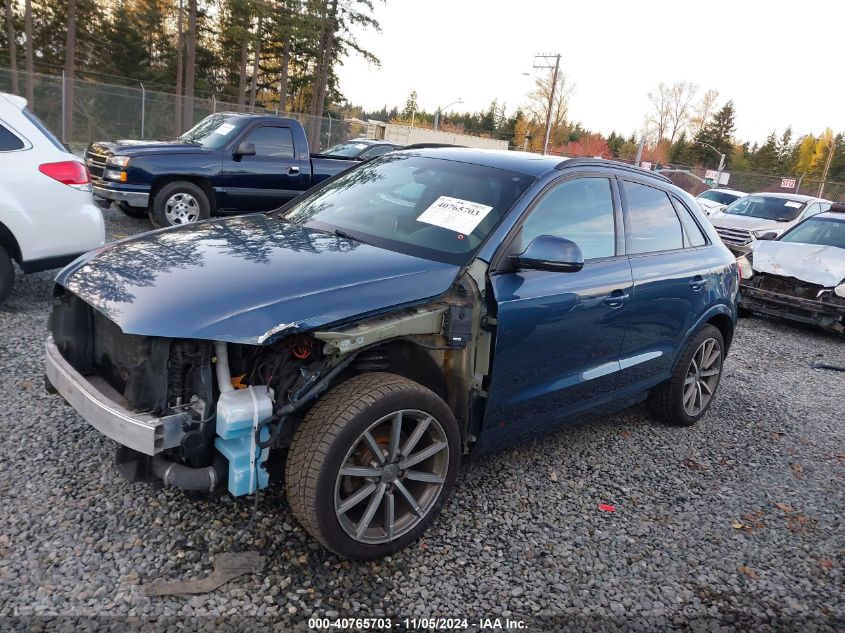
[{"x": 47, "y": 211}]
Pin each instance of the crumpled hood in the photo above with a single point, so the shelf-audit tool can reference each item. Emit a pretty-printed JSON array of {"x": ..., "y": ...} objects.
[
  {"x": 812, "y": 263},
  {"x": 746, "y": 222},
  {"x": 249, "y": 279}
]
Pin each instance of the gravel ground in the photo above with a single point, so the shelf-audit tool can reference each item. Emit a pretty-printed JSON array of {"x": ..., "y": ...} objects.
[{"x": 736, "y": 523}]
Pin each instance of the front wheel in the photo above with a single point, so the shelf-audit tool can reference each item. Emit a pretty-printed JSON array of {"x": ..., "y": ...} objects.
[
  {"x": 179, "y": 202},
  {"x": 689, "y": 392},
  {"x": 372, "y": 464},
  {"x": 7, "y": 275}
]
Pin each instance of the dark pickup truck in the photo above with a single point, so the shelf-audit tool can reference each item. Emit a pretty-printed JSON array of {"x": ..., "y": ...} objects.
[{"x": 228, "y": 163}]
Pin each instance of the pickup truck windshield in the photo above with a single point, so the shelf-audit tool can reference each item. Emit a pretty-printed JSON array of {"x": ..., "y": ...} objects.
[
  {"x": 821, "y": 231},
  {"x": 427, "y": 207},
  {"x": 212, "y": 132},
  {"x": 766, "y": 208}
]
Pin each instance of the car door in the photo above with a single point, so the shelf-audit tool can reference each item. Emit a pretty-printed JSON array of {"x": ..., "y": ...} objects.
[
  {"x": 559, "y": 333},
  {"x": 268, "y": 179},
  {"x": 672, "y": 282}
]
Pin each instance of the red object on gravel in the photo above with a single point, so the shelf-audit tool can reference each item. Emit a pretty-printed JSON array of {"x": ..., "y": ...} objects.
[{"x": 607, "y": 508}]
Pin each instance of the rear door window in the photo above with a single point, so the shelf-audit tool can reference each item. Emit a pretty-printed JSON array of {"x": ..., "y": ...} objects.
[
  {"x": 9, "y": 142},
  {"x": 651, "y": 224}
]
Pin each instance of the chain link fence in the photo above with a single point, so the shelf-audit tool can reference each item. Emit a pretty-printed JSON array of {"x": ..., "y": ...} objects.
[{"x": 102, "y": 111}]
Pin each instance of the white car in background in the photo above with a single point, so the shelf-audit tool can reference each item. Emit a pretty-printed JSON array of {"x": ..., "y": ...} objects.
[
  {"x": 717, "y": 199},
  {"x": 47, "y": 212},
  {"x": 765, "y": 216}
]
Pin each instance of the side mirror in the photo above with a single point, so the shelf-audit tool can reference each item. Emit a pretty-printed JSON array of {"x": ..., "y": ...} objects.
[
  {"x": 246, "y": 148},
  {"x": 547, "y": 252},
  {"x": 768, "y": 235}
]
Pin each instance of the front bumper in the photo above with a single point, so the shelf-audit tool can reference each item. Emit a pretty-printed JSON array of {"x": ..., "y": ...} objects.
[
  {"x": 134, "y": 197},
  {"x": 100, "y": 405},
  {"x": 825, "y": 314}
]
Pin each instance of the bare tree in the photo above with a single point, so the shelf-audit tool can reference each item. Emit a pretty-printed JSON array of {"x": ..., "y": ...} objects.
[
  {"x": 70, "y": 65},
  {"x": 30, "y": 66},
  {"x": 13, "y": 49},
  {"x": 190, "y": 64},
  {"x": 180, "y": 46},
  {"x": 703, "y": 109},
  {"x": 538, "y": 104},
  {"x": 681, "y": 96},
  {"x": 657, "y": 120},
  {"x": 253, "y": 88}
]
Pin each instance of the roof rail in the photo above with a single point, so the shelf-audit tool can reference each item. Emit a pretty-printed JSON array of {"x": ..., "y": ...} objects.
[{"x": 584, "y": 162}]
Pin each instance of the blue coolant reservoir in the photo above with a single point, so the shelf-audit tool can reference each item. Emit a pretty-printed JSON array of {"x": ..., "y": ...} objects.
[{"x": 238, "y": 414}]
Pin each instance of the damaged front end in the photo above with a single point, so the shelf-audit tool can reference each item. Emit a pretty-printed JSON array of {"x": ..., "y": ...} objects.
[
  {"x": 201, "y": 415},
  {"x": 794, "y": 299}
]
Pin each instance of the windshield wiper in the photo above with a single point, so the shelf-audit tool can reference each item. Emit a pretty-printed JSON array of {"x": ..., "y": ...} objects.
[{"x": 344, "y": 234}]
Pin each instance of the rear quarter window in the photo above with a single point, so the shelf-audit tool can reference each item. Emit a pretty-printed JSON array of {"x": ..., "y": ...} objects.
[
  {"x": 693, "y": 235},
  {"x": 43, "y": 129},
  {"x": 9, "y": 142}
]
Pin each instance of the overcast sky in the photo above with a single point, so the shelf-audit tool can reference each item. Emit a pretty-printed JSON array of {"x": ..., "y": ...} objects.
[{"x": 780, "y": 62}]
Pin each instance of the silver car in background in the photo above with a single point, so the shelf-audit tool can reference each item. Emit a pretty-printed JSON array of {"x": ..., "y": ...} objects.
[{"x": 748, "y": 219}]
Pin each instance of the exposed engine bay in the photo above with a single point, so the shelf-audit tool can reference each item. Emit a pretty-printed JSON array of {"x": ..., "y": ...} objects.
[{"x": 229, "y": 406}]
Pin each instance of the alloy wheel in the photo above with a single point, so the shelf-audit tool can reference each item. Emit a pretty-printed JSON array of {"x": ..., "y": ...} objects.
[
  {"x": 391, "y": 477},
  {"x": 702, "y": 376}
]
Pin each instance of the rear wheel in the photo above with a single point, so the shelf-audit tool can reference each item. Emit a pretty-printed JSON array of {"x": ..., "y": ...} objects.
[
  {"x": 132, "y": 212},
  {"x": 7, "y": 275},
  {"x": 372, "y": 464},
  {"x": 179, "y": 202},
  {"x": 689, "y": 392}
]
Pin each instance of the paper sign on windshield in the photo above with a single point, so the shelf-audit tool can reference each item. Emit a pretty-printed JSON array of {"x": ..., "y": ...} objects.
[
  {"x": 793, "y": 204},
  {"x": 224, "y": 129},
  {"x": 455, "y": 214}
]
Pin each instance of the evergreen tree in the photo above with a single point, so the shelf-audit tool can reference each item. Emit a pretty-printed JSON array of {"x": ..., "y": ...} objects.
[{"x": 718, "y": 133}]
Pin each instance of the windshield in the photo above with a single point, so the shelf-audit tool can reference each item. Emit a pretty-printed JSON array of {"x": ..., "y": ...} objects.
[
  {"x": 428, "y": 207},
  {"x": 766, "y": 208},
  {"x": 348, "y": 149},
  {"x": 822, "y": 231},
  {"x": 212, "y": 132},
  {"x": 718, "y": 196}
]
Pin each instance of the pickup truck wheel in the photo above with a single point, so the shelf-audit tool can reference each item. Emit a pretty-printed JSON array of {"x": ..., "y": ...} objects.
[
  {"x": 7, "y": 275},
  {"x": 132, "y": 212},
  {"x": 372, "y": 464},
  {"x": 179, "y": 202},
  {"x": 687, "y": 395}
]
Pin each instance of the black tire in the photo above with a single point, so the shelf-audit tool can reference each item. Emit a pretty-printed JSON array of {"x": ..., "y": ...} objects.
[
  {"x": 327, "y": 437},
  {"x": 667, "y": 400},
  {"x": 7, "y": 275},
  {"x": 133, "y": 212},
  {"x": 158, "y": 211}
]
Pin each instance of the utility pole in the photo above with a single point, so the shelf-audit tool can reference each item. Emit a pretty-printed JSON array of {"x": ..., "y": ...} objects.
[
  {"x": 826, "y": 167},
  {"x": 546, "y": 65}
]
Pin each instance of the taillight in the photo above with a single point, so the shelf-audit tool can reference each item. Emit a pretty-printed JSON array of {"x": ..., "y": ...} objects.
[{"x": 68, "y": 172}]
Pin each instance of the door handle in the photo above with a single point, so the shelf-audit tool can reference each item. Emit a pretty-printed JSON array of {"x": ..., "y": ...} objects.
[
  {"x": 293, "y": 169},
  {"x": 616, "y": 298},
  {"x": 698, "y": 282}
]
